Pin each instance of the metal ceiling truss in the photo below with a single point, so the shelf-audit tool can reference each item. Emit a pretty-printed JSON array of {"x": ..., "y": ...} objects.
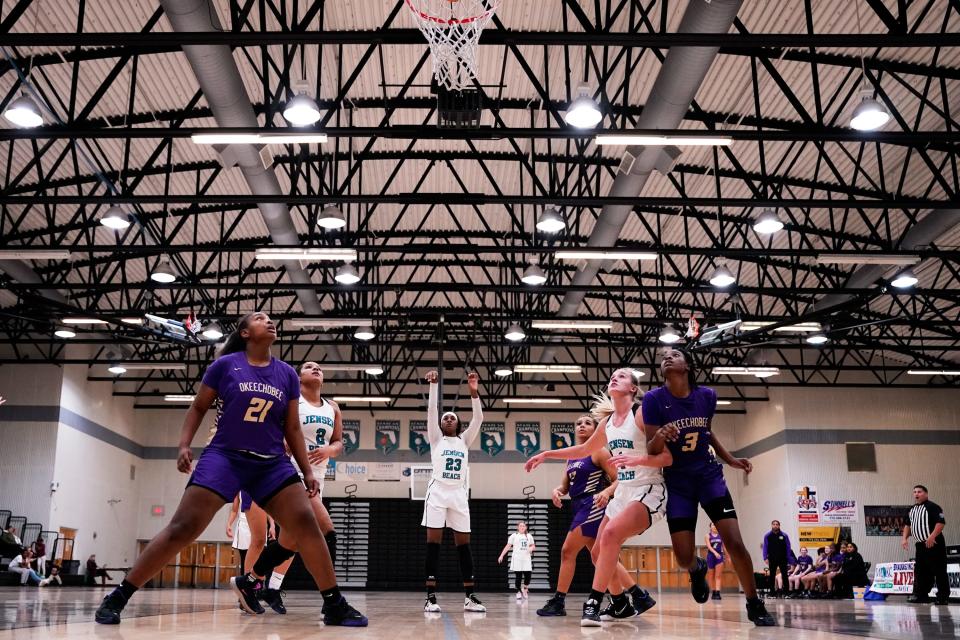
[{"x": 874, "y": 340}]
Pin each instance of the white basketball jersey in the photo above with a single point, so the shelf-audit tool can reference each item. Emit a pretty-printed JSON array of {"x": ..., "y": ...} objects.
[
  {"x": 628, "y": 439},
  {"x": 316, "y": 424},
  {"x": 449, "y": 458}
]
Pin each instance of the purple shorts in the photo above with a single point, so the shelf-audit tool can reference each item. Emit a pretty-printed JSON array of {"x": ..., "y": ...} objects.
[
  {"x": 713, "y": 561},
  {"x": 686, "y": 488},
  {"x": 586, "y": 516},
  {"x": 226, "y": 472}
]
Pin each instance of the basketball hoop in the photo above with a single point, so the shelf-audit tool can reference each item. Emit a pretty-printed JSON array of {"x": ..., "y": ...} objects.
[{"x": 453, "y": 28}]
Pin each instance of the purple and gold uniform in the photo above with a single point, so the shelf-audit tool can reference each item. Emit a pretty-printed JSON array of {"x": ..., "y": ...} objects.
[
  {"x": 247, "y": 450},
  {"x": 586, "y": 480},
  {"x": 695, "y": 475}
]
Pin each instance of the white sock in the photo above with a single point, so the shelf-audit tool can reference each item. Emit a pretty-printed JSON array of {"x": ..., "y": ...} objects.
[{"x": 276, "y": 580}]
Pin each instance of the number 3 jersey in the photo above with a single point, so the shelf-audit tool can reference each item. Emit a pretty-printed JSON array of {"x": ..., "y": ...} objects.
[
  {"x": 253, "y": 403},
  {"x": 692, "y": 416},
  {"x": 627, "y": 439}
]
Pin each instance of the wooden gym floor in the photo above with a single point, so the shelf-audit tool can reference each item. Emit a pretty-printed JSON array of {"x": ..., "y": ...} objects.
[{"x": 210, "y": 615}]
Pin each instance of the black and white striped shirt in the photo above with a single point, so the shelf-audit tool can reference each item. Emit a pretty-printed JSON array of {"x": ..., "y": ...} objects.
[{"x": 923, "y": 518}]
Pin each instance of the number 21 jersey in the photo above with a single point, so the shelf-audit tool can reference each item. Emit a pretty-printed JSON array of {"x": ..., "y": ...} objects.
[{"x": 253, "y": 403}]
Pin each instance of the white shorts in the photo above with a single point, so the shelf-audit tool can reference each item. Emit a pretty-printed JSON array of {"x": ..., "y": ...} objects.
[
  {"x": 446, "y": 506},
  {"x": 521, "y": 562},
  {"x": 652, "y": 496},
  {"x": 241, "y": 537}
]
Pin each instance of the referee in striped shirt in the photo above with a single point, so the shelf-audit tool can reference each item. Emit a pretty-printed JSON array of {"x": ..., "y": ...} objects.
[{"x": 926, "y": 524}]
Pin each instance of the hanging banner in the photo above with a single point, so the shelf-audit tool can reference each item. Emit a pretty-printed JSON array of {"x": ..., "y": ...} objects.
[
  {"x": 807, "y": 507},
  {"x": 561, "y": 435},
  {"x": 838, "y": 511},
  {"x": 419, "y": 443},
  {"x": 818, "y": 536},
  {"x": 528, "y": 438},
  {"x": 886, "y": 520},
  {"x": 351, "y": 436},
  {"x": 492, "y": 437},
  {"x": 387, "y": 436}
]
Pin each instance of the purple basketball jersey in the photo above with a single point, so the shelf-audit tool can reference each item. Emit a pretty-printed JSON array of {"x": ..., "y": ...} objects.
[
  {"x": 585, "y": 477},
  {"x": 253, "y": 403},
  {"x": 586, "y": 480},
  {"x": 693, "y": 416}
]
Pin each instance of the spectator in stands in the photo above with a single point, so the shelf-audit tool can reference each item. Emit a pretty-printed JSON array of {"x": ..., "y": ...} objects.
[
  {"x": 21, "y": 565},
  {"x": 39, "y": 549},
  {"x": 853, "y": 572},
  {"x": 94, "y": 572},
  {"x": 54, "y": 575},
  {"x": 10, "y": 543},
  {"x": 777, "y": 554}
]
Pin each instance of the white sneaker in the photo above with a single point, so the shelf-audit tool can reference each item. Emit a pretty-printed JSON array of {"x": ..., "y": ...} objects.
[
  {"x": 430, "y": 605},
  {"x": 473, "y": 603},
  {"x": 44, "y": 582},
  {"x": 519, "y": 595}
]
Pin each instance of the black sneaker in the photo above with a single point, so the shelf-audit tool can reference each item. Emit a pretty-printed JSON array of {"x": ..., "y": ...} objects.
[
  {"x": 918, "y": 599},
  {"x": 716, "y": 596},
  {"x": 342, "y": 614},
  {"x": 698, "y": 582},
  {"x": 757, "y": 613},
  {"x": 642, "y": 600},
  {"x": 247, "y": 590},
  {"x": 591, "y": 614},
  {"x": 555, "y": 607},
  {"x": 274, "y": 598},
  {"x": 612, "y": 613},
  {"x": 109, "y": 610},
  {"x": 472, "y": 603}
]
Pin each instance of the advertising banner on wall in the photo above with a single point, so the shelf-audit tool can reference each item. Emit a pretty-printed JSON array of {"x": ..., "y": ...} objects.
[
  {"x": 388, "y": 436},
  {"x": 352, "y": 470},
  {"x": 383, "y": 471},
  {"x": 886, "y": 520},
  {"x": 561, "y": 435},
  {"x": 818, "y": 535},
  {"x": 528, "y": 438},
  {"x": 808, "y": 510},
  {"x": 492, "y": 437},
  {"x": 330, "y": 471},
  {"x": 897, "y": 578},
  {"x": 351, "y": 436},
  {"x": 838, "y": 511},
  {"x": 419, "y": 443}
]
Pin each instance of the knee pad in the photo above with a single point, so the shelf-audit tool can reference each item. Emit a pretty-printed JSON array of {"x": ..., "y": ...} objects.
[{"x": 273, "y": 555}]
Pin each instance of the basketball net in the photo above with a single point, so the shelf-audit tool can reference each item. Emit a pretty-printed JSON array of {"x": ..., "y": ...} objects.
[{"x": 453, "y": 28}]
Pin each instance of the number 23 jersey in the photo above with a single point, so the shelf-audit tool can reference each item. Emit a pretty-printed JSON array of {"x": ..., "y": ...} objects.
[
  {"x": 693, "y": 417},
  {"x": 449, "y": 458}
]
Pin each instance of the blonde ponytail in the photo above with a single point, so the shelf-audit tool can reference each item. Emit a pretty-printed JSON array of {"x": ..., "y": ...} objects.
[{"x": 602, "y": 407}]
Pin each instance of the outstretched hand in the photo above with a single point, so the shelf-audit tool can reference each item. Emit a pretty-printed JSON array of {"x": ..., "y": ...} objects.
[
  {"x": 533, "y": 462},
  {"x": 431, "y": 377},
  {"x": 473, "y": 381}
]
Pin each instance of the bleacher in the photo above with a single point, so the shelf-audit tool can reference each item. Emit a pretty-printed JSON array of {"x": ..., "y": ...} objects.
[{"x": 28, "y": 532}]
